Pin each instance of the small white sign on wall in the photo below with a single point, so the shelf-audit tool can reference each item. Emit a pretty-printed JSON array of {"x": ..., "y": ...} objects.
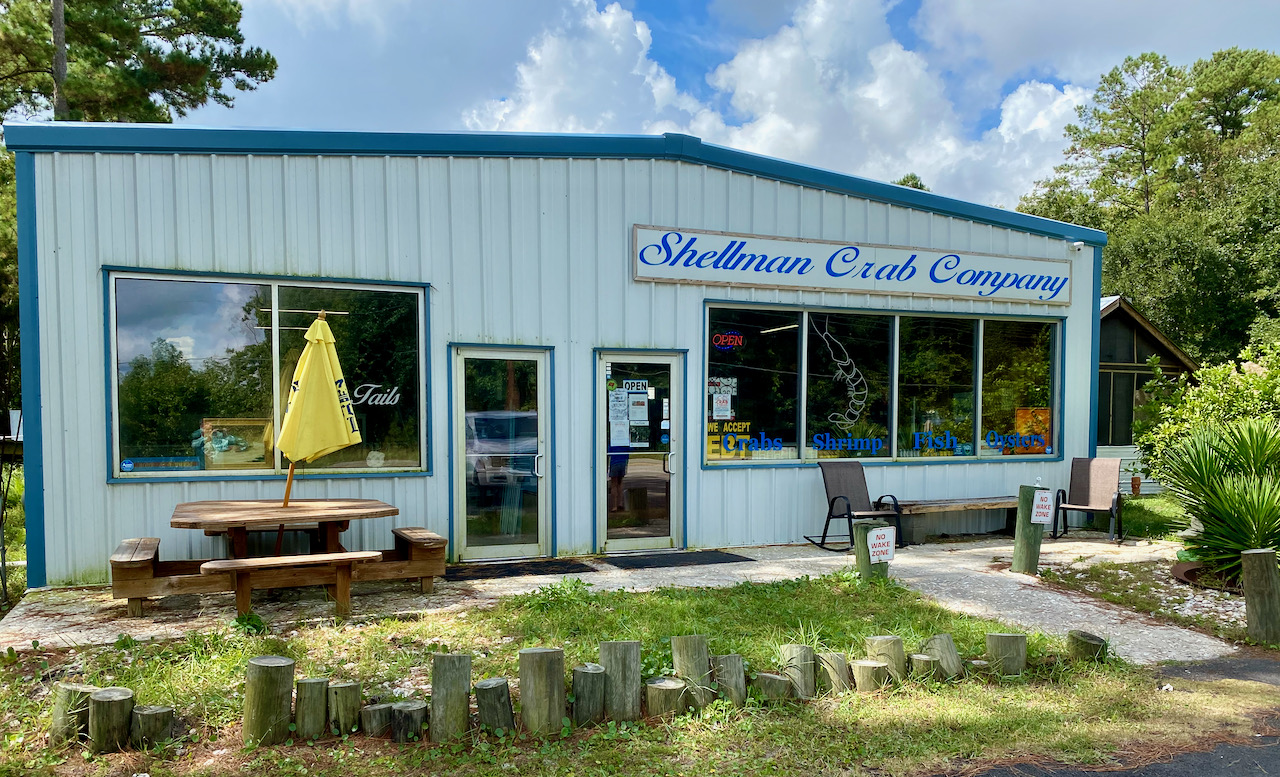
[
  {"x": 1042, "y": 508},
  {"x": 880, "y": 542}
]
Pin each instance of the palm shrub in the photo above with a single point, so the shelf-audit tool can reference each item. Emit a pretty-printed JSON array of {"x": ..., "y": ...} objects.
[{"x": 1227, "y": 479}]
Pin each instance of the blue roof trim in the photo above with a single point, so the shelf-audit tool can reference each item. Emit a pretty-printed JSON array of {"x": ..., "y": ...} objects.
[
  {"x": 32, "y": 414},
  {"x": 171, "y": 139}
]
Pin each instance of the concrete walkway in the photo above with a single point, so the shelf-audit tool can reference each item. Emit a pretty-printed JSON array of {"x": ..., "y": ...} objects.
[{"x": 960, "y": 576}]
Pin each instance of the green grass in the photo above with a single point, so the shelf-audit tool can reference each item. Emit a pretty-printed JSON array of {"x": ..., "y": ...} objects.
[
  {"x": 1074, "y": 712},
  {"x": 1151, "y": 516}
]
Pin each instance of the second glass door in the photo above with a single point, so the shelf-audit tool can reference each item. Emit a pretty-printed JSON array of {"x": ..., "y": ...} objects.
[{"x": 640, "y": 452}]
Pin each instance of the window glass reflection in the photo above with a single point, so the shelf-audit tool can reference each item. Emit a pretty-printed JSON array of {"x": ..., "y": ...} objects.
[
  {"x": 847, "y": 386},
  {"x": 752, "y": 392},
  {"x": 935, "y": 386},
  {"x": 1017, "y": 388}
]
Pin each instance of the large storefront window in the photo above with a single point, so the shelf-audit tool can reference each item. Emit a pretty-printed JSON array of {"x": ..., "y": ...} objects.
[
  {"x": 753, "y": 385},
  {"x": 847, "y": 386},
  {"x": 1017, "y": 388},
  {"x": 877, "y": 385},
  {"x": 198, "y": 384},
  {"x": 935, "y": 386}
]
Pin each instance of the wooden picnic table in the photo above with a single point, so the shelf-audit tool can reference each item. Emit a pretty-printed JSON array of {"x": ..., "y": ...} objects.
[{"x": 237, "y": 517}]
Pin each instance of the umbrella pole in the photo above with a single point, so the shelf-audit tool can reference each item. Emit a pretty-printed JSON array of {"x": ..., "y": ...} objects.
[{"x": 288, "y": 485}]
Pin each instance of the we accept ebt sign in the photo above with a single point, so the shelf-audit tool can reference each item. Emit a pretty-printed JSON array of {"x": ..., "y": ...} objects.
[{"x": 685, "y": 256}]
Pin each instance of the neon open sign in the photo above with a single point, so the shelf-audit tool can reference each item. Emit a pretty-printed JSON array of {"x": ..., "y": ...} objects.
[{"x": 726, "y": 341}]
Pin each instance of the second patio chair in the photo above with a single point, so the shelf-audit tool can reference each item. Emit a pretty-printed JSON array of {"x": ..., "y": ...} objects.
[
  {"x": 1094, "y": 488},
  {"x": 848, "y": 500}
]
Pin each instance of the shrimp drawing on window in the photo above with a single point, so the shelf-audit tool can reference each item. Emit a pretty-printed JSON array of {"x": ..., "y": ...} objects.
[{"x": 847, "y": 373}]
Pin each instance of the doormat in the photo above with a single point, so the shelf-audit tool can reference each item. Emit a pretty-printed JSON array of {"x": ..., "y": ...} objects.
[
  {"x": 553, "y": 566},
  {"x": 690, "y": 558}
]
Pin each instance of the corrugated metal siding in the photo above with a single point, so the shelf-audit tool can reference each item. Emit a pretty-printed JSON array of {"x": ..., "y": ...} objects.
[{"x": 518, "y": 251}]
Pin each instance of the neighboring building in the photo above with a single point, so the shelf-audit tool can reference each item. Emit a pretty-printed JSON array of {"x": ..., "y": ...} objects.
[
  {"x": 556, "y": 344},
  {"x": 1128, "y": 340}
]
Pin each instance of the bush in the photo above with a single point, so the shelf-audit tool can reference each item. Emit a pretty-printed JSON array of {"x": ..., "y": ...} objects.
[
  {"x": 1222, "y": 394},
  {"x": 1227, "y": 479}
]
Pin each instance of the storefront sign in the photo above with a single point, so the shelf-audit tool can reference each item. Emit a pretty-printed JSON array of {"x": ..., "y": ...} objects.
[
  {"x": 726, "y": 341},
  {"x": 722, "y": 386},
  {"x": 682, "y": 256},
  {"x": 880, "y": 542},
  {"x": 374, "y": 394}
]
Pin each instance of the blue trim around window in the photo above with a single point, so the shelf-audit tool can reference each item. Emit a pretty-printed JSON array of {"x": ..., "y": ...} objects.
[
  {"x": 1096, "y": 343},
  {"x": 29, "y": 331},
  {"x": 1059, "y": 366},
  {"x": 683, "y": 355},
  {"x": 109, "y": 377},
  {"x": 73, "y": 137}
]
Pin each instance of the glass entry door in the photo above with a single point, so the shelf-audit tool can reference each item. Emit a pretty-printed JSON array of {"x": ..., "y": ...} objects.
[
  {"x": 501, "y": 423},
  {"x": 640, "y": 452}
]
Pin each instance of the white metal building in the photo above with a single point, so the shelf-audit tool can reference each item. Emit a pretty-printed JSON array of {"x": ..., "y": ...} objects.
[{"x": 558, "y": 345}]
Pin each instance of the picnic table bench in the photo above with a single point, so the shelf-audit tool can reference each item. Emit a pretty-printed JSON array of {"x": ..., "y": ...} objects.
[{"x": 137, "y": 572}]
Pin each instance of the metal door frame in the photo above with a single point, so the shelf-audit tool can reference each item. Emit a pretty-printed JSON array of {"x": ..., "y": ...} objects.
[
  {"x": 543, "y": 357},
  {"x": 678, "y": 467}
]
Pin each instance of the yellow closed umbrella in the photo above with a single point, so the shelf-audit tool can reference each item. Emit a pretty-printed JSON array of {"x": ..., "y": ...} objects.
[{"x": 318, "y": 417}]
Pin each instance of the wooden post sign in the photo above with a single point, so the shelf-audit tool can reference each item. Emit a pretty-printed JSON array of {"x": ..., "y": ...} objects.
[
  {"x": 1027, "y": 533},
  {"x": 873, "y": 543}
]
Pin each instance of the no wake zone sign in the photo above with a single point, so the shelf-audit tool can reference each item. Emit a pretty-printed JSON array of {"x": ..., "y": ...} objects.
[{"x": 685, "y": 256}]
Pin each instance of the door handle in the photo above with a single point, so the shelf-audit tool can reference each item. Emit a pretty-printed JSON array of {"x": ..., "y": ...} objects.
[
  {"x": 666, "y": 463},
  {"x": 537, "y": 465}
]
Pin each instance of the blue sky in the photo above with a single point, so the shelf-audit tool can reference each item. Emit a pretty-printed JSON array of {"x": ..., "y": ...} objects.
[{"x": 972, "y": 95}]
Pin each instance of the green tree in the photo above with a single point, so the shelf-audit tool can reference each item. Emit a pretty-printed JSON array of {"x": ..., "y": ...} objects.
[
  {"x": 913, "y": 181},
  {"x": 127, "y": 60}
]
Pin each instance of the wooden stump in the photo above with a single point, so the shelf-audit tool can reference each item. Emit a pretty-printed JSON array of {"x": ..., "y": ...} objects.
[
  {"x": 692, "y": 662},
  {"x": 869, "y": 676},
  {"x": 407, "y": 720},
  {"x": 925, "y": 667},
  {"x": 375, "y": 720},
  {"x": 889, "y": 649},
  {"x": 344, "y": 708},
  {"x": 450, "y": 695},
  {"x": 150, "y": 725},
  {"x": 798, "y": 664},
  {"x": 621, "y": 662},
  {"x": 833, "y": 673},
  {"x": 943, "y": 648},
  {"x": 1007, "y": 653},
  {"x": 311, "y": 709},
  {"x": 70, "y": 712},
  {"x": 268, "y": 697},
  {"x": 773, "y": 687},
  {"x": 493, "y": 705},
  {"x": 1083, "y": 646},
  {"x": 1261, "y": 581},
  {"x": 730, "y": 677},
  {"x": 663, "y": 695},
  {"x": 588, "y": 694},
  {"x": 542, "y": 696},
  {"x": 110, "y": 716},
  {"x": 1026, "y": 535},
  {"x": 979, "y": 668}
]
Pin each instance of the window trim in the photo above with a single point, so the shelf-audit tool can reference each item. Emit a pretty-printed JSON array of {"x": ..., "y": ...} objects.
[
  {"x": 1057, "y": 377},
  {"x": 420, "y": 290}
]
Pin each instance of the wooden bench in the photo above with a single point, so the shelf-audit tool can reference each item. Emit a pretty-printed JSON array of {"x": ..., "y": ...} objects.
[
  {"x": 137, "y": 573},
  {"x": 423, "y": 549},
  {"x": 243, "y": 571},
  {"x": 135, "y": 559},
  {"x": 926, "y": 506}
]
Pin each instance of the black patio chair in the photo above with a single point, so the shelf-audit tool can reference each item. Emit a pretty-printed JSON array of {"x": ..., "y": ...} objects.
[
  {"x": 848, "y": 500},
  {"x": 1094, "y": 488}
]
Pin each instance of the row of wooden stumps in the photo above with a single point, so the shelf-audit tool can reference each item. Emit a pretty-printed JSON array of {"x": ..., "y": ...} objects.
[
  {"x": 612, "y": 688},
  {"x": 106, "y": 718}
]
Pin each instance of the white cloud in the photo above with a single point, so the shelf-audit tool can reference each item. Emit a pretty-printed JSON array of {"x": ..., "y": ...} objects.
[
  {"x": 830, "y": 88},
  {"x": 185, "y": 344},
  {"x": 306, "y": 14}
]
